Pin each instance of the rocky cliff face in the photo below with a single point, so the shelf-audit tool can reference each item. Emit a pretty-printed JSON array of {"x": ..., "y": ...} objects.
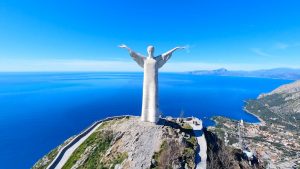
[{"x": 130, "y": 143}]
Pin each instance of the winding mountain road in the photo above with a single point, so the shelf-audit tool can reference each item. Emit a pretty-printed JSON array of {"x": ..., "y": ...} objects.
[{"x": 65, "y": 153}]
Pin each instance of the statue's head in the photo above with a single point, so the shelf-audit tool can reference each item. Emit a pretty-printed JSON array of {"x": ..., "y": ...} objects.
[{"x": 150, "y": 50}]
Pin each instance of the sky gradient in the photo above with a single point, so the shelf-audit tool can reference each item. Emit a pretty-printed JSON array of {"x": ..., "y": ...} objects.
[{"x": 83, "y": 35}]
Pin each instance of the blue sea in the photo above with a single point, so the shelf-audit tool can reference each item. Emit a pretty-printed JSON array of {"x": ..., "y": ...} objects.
[{"x": 38, "y": 111}]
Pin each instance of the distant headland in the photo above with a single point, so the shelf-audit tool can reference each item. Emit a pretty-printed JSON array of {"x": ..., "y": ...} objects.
[{"x": 276, "y": 73}]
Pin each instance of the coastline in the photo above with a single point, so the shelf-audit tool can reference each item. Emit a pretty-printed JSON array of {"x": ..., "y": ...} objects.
[{"x": 261, "y": 121}]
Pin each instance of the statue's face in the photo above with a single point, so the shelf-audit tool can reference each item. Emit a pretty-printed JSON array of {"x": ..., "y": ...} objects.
[{"x": 150, "y": 51}]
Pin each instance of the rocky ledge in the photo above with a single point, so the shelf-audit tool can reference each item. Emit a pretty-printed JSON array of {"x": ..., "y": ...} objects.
[{"x": 130, "y": 143}]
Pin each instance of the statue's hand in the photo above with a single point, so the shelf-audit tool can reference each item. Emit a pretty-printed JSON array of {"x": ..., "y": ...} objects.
[
  {"x": 123, "y": 46},
  {"x": 181, "y": 47}
]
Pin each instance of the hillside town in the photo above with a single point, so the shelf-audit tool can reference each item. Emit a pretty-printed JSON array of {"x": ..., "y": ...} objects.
[{"x": 271, "y": 145}]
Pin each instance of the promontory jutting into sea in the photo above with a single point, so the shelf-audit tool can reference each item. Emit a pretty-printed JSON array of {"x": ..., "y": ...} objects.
[
  {"x": 148, "y": 129},
  {"x": 149, "y": 84},
  {"x": 151, "y": 140}
]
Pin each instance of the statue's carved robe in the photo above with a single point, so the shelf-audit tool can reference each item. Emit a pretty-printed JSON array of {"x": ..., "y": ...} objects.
[{"x": 150, "y": 105}]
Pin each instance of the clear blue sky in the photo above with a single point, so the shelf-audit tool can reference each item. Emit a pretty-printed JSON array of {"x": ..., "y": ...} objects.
[{"x": 76, "y": 35}]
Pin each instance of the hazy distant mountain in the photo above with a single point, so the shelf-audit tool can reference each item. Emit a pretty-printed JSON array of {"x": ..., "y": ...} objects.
[{"x": 280, "y": 73}]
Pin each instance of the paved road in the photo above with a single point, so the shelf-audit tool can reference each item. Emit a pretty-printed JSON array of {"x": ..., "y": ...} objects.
[
  {"x": 202, "y": 155},
  {"x": 65, "y": 153},
  {"x": 69, "y": 152}
]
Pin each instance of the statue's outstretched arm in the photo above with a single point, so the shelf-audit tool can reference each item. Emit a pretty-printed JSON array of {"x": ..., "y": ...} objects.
[
  {"x": 168, "y": 54},
  {"x": 136, "y": 56},
  {"x": 162, "y": 59}
]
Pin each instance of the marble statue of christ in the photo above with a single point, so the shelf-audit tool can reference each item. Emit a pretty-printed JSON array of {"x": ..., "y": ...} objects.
[{"x": 150, "y": 64}]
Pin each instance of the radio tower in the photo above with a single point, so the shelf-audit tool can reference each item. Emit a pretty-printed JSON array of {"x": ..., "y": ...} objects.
[{"x": 240, "y": 133}]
